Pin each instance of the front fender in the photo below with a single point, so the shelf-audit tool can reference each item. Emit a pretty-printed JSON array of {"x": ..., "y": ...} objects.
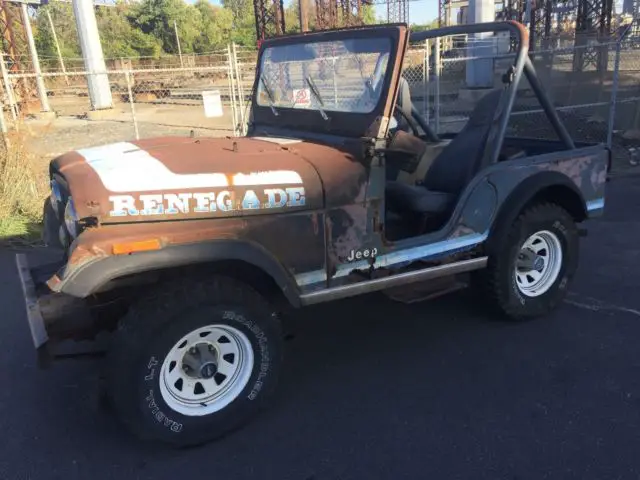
[{"x": 87, "y": 278}]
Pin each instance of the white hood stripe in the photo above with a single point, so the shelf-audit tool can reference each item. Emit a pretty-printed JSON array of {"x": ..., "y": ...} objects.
[
  {"x": 124, "y": 167},
  {"x": 273, "y": 177}
]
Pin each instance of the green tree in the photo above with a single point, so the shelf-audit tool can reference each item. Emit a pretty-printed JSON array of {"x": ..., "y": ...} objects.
[
  {"x": 426, "y": 26},
  {"x": 65, "y": 26},
  {"x": 120, "y": 39},
  {"x": 217, "y": 27},
  {"x": 157, "y": 17},
  {"x": 244, "y": 23},
  {"x": 369, "y": 15},
  {"x": 292, "y": 17}
]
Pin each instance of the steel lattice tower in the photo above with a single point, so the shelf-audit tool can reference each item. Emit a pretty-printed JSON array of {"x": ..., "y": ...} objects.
[
  {"x": 269, "y": 18},
  {"x": 442, "y": 12},
  {"x": 326, "y": 14},
  {"x": 13, "y": 39},
  {"x": 14, "y": 47},
  {"x": 339, "y": 13},
  {"x": 593, "y": 21},
  {"x": 397, "y": 11}
]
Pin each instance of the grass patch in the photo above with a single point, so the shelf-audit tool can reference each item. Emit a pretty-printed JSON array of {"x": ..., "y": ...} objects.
[{"x": 23, "y": 188}]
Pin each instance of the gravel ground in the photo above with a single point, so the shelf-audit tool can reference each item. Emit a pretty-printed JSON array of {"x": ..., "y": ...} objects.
[
  {"x": 72, "y": 134},
  {"x": 50, "y": 138}
]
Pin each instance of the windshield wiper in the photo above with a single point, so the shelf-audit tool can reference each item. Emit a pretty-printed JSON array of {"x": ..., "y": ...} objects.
[
  {"x": 316, "y": 94},
  {"x": 269, "y": 95}
]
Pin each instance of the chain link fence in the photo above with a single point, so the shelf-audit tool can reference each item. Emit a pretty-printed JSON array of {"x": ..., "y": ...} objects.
[
  {"x": 595, "y": 87},
  {"x": 204, "y": 94}
]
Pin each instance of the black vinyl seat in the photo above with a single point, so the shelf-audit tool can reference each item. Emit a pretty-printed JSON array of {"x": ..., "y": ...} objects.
[
  {"x": 416, "y": 199},
  {"x": 451, "y": 171}
]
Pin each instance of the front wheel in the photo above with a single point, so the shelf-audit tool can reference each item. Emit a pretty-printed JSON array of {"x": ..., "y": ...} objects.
[
  {"x": 533, "y": 262},
  {"x": 192, "y": 363}
]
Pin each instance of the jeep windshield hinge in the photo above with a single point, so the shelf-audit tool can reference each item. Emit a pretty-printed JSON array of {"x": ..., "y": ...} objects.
[{"x": 509, "y": 75}]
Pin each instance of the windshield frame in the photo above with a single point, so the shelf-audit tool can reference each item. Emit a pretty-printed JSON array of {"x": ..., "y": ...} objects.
[{"x": 345, "y": 124}]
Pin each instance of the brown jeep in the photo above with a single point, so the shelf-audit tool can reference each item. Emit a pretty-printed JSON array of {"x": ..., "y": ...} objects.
[{"x": 187, "y": 252}]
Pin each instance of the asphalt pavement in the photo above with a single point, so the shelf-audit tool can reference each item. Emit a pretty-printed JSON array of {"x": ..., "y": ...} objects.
[{"x": 379, "y": 390}]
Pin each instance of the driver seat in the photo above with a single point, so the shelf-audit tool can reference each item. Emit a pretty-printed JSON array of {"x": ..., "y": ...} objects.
[{"x": 452, "y": 170}]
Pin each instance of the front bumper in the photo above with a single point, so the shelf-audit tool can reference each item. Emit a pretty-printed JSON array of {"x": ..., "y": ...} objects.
[
  {"x": 35, "y": 319},
  {"x": 39, "y": 334},
  {"x": 52, "y": 317}
]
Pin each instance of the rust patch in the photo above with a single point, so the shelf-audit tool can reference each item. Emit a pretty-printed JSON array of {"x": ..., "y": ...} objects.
[
  {"x": 98, "y": 242},
  {"x": 348, "y": 230},
  {"x": 183, "y": 156},
  {"x": 341, "y": 169},
  {"x": 598, "y": 178},
  {"x": 573, "y": 168},
  {"x": 462, "y": 230}
]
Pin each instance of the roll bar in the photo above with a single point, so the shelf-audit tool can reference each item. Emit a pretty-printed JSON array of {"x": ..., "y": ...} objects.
[{"x": 523, "y": 64}]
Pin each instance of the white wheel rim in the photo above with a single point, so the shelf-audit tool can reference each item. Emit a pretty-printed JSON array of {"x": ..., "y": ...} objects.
[
  {"x": 538, "y": 263},
  {"x": 206, "y": 370}
]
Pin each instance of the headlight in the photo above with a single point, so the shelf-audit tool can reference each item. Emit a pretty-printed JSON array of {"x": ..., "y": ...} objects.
[
  {"x": 56, "y": 197},
  {"x": 71, "y": 218}
]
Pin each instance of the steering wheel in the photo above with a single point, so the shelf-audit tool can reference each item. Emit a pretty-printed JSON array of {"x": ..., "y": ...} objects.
[{"x": 416, "y": 121}]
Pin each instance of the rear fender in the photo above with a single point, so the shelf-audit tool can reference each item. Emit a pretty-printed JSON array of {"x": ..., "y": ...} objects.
[{"x": 533, "y": 188}]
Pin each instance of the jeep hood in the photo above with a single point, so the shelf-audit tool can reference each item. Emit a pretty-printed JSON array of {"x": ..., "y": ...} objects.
[{"x": 172, "y": 178}]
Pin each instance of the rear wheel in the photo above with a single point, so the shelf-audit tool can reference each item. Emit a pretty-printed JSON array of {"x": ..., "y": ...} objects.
[
  {"x": 189, "y": 364},
  {"x": 534, "y": 262}
]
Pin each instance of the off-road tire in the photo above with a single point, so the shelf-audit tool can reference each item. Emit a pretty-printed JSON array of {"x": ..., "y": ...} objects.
[
  {"x": 498, "y": 280},
  {"x": 150, "y": 329}
]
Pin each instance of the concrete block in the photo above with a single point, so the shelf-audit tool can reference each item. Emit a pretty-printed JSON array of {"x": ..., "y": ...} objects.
[
  {"x": 631, "y": 135},
  {"x": 145, "y": 97},
  {"x": 44, "y": 115},
  {"x": 104, "y": 114},
  {"x": 31, "y": 107},
  {"x": 472, "y": 95}
]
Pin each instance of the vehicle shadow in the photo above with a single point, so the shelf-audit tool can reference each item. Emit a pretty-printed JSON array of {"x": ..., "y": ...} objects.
[
  {"x": 368, "y": 330},
  {"x": 356, "y": 340},
  {"x": 356, "y": 371}
]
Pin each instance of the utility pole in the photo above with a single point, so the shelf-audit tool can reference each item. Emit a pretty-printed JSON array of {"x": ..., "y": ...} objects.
[
  {"x": 42, "y": 91},
  {"x": 303, "y": 7},
  {"x": 55, "y": 41},
  {"x": 97, "y": 79},
  {"x": 175, "y": 28},
  {"x": 479, "y": 72}
]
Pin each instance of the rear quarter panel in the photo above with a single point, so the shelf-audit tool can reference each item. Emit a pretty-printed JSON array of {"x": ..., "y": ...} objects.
[
  {"x": 585, "y": 169},
  {"x": 478, "y": 210}
]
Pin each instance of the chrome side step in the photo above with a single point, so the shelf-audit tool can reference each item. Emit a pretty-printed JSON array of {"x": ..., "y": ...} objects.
[{"x": 337, "y": 293}]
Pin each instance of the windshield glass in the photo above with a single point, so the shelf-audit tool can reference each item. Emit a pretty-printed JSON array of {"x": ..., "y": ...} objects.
[{"x": 335, "y": 76}]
